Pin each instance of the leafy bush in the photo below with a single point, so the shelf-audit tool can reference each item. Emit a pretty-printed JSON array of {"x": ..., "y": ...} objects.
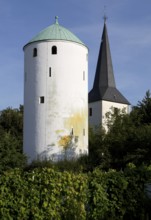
[{"x": 45, "y": 193}]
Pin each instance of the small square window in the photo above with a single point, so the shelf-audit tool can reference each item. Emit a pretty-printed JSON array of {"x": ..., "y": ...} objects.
[{"x": 42, "y": 99}]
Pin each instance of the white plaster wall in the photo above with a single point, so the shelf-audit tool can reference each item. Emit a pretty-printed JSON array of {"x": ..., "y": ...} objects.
[
  {"x": 66, "y": 97},
  {"x": 107, "y": 106},
  {"x": 99, "y": 110},
  {"x": 95, "y": 119}
]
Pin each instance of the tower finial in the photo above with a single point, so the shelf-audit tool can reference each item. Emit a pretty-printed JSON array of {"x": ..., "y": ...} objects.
[
  {"x": 105, "y": 17},
  {"x": 56, "y": 20}
]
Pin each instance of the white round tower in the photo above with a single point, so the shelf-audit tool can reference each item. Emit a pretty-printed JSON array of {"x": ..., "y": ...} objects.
[{"x": 55, "y": 95}]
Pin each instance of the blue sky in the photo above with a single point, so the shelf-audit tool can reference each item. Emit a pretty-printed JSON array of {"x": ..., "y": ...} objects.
[{"x": 129, "y": 30}]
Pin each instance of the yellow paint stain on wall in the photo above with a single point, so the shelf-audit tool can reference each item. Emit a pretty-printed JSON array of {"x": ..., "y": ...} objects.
[
  {"x": 77, "y": 122},
  {"x": 65, "y": 141}
]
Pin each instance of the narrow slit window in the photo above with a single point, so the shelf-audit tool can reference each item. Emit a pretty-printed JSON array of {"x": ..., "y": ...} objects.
[
  {"x": 72, "y": 131},
  {"x": 35, "y": 52},
  {"x": 54, "y": 50},
  {"x": 90, "y": 111},
  {"x": 83, "y": 75},
  {"x": 49, "y": 71},
  {"x": 41, "y": 99},
  {"x": 84, "y": 132}
]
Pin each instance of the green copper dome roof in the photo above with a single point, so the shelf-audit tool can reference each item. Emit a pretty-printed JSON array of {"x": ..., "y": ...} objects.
[{"x": 55, "y": 32}]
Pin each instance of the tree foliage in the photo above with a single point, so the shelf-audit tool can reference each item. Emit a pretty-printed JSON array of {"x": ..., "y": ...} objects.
[
  {"x": 142, "y": 112},
  {"x": 128, "y": 139},
  {"x": 11, "y": 139}
]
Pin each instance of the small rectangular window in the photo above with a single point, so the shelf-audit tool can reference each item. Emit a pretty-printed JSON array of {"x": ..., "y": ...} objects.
[
  {"x": 42, "y": 99},
  {"x": 35, "y": 52},
  {"x": 90, "y": 111},
  {"x": 54, "y": 50},
  {"x": 49, "y": 71}
]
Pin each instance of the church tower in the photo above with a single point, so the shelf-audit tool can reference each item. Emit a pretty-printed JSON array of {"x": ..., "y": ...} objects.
[
  {"x": 55, "y": 95},
  {"x": 104, "y": 94}
]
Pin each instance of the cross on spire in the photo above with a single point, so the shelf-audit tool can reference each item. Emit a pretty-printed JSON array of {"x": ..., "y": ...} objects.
[{"x": 105, "y": 17}]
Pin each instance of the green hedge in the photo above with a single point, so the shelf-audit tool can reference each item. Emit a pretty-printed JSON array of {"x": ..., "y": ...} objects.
[{"x": 49, "y": 194}]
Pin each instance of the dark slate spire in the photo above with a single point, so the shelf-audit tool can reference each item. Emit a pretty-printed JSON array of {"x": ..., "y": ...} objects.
[
  {"x": 104, "y": 87},
  {"x": 104, "y": 72}
]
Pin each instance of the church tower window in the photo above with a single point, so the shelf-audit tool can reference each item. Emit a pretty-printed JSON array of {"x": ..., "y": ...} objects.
[{"x": 90, "y": 111}]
